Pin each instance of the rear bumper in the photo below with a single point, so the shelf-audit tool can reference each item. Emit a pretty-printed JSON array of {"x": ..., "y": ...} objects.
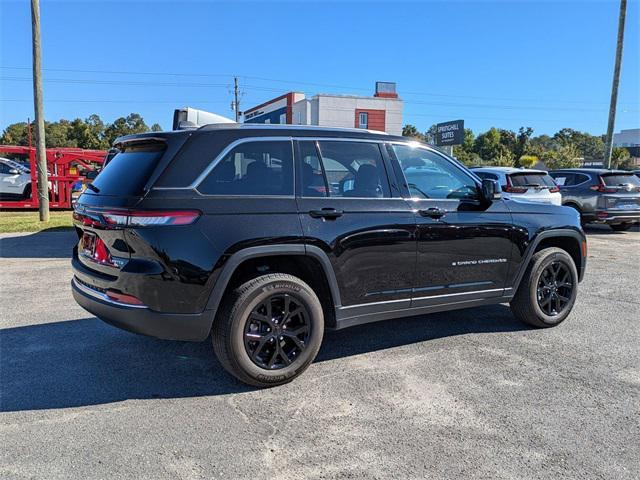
[
  {"x": 168, "y": 326},
  {"x": 617, "y": 216}
]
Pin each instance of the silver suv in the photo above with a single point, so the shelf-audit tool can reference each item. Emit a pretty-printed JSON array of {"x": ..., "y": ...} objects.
[{"x": 601, "y": 196}]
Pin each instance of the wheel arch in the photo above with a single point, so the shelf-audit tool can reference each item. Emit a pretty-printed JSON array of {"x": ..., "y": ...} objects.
[
  {"x": 300, "y": 260},
  {"x": 571, "y": 241}
]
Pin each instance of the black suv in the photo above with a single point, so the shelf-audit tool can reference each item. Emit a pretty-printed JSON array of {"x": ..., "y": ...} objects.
[
  {"x": 263, "y": 236},
  {"x": 601, "y": 196}
]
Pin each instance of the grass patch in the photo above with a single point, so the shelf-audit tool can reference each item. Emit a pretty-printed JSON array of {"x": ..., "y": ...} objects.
[{"x": 11, "y": 222}]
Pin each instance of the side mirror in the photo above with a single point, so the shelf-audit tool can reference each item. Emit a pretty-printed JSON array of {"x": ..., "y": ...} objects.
[
  {"x": 490, "y": 190},
  {"x": 14, "y": 171},
  {"x": 92, "y": 175}
]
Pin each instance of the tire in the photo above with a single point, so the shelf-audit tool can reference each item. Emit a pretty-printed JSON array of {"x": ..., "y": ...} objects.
[
  {"x": 526, "y": 306},
  {"x": 233, "y": 328},
  {"x": 621, "y": 227},
  {"x": 26, "y": 195}
]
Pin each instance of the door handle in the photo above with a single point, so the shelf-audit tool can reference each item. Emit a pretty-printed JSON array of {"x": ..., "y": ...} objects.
[
  {"x": 433, "y": 212},
  {"x": 326, "y": 213}
]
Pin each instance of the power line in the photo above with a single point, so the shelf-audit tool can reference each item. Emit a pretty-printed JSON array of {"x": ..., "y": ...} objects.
[
  {"x": 261, "y": 88},
  {"x": 297, "y": 82}
]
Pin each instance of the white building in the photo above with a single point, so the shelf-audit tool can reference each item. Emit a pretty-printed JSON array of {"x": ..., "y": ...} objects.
[{"x": 382, "y": 111}]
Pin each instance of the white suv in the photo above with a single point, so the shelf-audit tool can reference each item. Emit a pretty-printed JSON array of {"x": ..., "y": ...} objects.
[
  {"x": 15, "y": 179},
  {"x": 523, "y": 184}
]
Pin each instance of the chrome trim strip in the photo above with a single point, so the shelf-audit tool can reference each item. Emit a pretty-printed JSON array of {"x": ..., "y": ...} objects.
[
  {"x": 475, "y": 292},
  {"x": 373, "y": 303},
  {"x": 101, "y": 296},
  {"x": 194, "y": 185}
]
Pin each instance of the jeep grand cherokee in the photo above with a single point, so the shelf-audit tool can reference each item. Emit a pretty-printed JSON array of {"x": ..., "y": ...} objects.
[{"x": 265, "y": 236}]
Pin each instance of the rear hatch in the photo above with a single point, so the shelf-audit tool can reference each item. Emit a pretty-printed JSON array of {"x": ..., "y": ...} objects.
[
  {"x": 534, "y": 186},
  {"x": 101, "y": 213},
  {"x": 621, "y": 191}
]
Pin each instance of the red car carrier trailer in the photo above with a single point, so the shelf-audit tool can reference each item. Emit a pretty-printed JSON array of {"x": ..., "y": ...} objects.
[{"x": 66, "y": 166}]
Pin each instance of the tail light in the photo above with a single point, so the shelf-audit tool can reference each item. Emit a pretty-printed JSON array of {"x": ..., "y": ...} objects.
[
  {"x": 602, "y": 187},
  {"x": 511, "y": 189},
  {"x": 555, "y": 189},
  {"x": 136, "y": 218}
]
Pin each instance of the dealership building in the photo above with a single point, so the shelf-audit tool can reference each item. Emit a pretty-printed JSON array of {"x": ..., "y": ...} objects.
[{"x": 382, "y": 111}]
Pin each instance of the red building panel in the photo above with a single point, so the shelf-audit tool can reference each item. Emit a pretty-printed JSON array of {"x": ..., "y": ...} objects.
[{"x": 376, "y": 119}]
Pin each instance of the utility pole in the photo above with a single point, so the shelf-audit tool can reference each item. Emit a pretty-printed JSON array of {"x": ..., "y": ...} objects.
[
  {"x": 41, "y": 155},
  {"x": 236, "y": 101},
  {"x": 614, "y": 87}
]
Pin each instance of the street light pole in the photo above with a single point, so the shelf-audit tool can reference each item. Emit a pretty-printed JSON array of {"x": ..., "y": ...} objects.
[
  {"x": 614, "y": 86},
  {"x": 41, "y": 155}
]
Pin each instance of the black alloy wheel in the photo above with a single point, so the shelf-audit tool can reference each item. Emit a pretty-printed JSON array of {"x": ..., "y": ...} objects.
[
  {"x": 277, "y": 331},
  {"x": 554, "y": 289}
]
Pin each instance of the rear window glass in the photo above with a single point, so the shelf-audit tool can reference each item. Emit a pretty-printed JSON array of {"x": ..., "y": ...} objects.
[
  {"x": 128, "y": 171},
  {"x": 531, "y": 180},
  {"x": 620, "y": 179}
]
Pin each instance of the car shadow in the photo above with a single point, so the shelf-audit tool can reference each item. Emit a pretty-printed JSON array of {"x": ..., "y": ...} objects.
[
  {"x": 56, "y": 242},
  {"x": 86, "y": 362}
]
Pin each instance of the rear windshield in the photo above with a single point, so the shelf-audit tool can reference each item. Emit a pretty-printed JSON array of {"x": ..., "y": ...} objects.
[
  {"x": 619, "y": 179},
  {"x": 531, "y": 180},
  {"x": 128, "y": 171}
]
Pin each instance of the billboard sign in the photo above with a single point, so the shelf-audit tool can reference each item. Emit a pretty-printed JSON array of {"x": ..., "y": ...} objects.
[{"x": 450, "y": 133}]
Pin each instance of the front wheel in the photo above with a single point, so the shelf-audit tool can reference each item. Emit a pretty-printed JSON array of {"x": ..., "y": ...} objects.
[
  {"x": 548, "y": 289},
  {"x": 268, "y": 330},
  {"x": 620, "y": 227}
]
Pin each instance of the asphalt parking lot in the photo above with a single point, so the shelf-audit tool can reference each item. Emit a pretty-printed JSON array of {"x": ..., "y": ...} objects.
[{"x": 468, "y": 394}]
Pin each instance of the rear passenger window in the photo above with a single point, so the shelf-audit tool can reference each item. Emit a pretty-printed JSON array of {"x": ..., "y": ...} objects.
[
  {"x": 354, "y": 169},
  {"x": 253, "y": 168}
]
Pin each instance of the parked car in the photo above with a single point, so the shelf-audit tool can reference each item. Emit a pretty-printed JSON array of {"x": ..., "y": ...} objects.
[
  {"x": 264, "y": 236},
  {"x": 15, "y": 180},
  {"x": 601, "y": 196},
  {"x": 523, "y": 184}
]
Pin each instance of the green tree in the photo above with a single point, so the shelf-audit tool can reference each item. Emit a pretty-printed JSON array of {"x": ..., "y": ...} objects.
[
  {"x": 411, "y": 131},
  {"x": 621, "y": 158},
  {"x": 523, "y": 142},
  {"x": 156, "y": 127},
  {"x": 15, "y": 134},
  {"x": 130, "y": 125},
  {"x": 491, "y": 150},
  {"x": 527, "y": 161},
  {"x": 465, "y": 152},
  {"x": 567, "y": 156}
]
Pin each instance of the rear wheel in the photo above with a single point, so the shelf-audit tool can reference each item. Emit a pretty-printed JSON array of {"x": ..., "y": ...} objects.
[
  {"x": 26, "y": 194},
  {"x": 620, "y": 227},
  {"x": 548, "y": 289},
  {"x": 268, "y": 330}
]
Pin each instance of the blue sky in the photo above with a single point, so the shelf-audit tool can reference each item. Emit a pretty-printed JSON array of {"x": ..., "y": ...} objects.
[{"x": 507, "y": 64}]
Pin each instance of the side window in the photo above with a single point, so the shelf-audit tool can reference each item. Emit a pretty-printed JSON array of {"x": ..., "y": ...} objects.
[
  {"x": 430, "y": 175},
  {"x": 253, "y": 168},
  {"x": 363, "y": 120},
  {"x": 563, "y": 179},
  {"x": 354, "y": 169},
  {"x": 4, "y": 168},
  {"x": 312, "y": 181},
  {"x": 580, "y": 178}
]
